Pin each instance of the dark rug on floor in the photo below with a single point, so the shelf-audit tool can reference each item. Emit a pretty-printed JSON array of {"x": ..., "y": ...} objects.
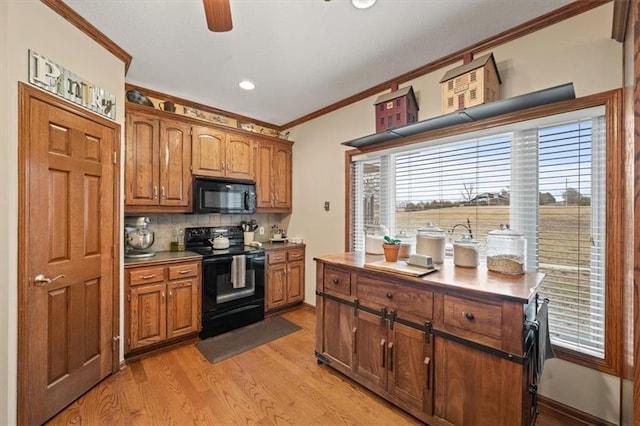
[{"x": 234, "y": 342}]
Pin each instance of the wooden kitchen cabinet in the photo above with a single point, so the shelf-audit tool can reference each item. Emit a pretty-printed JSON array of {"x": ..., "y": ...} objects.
[
  {"x": 284, "y": 286},
  {"x": 217, "y": 153},
  {"x": 273, "y": 178},
  {"x": 157, "y": 164},
  {"x": 163, "y": 304},
  {"x": 452, "y": 347}
]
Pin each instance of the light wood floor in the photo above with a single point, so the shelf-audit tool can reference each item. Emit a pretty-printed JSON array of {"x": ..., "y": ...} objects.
[{"x": 276, "y": 383}]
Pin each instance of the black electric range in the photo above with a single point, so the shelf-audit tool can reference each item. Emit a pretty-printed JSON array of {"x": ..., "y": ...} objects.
[{"x": 232, "y": 279}]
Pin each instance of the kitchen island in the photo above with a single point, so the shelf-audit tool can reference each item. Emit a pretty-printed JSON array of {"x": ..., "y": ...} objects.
[{"x": 454, "y": 346}]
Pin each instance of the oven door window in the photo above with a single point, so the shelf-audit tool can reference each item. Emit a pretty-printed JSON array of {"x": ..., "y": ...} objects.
[{"x": 230, "y": 280}]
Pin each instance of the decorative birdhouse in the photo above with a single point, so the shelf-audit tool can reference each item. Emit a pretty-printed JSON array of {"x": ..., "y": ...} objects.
[
  {"x": 396, "y": 109},
  {"x": 475, "y": 82}
]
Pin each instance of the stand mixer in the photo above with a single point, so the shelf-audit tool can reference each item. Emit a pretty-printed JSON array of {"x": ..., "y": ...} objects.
[{"x": 138, "y": 238}]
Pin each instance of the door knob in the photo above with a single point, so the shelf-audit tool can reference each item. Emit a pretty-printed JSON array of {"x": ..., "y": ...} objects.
[{"x": 40, "y": 280}]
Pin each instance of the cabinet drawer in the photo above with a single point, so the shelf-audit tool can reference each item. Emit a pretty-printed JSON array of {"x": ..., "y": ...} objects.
[
  {"x": 477, "y": 317},
  {"x": 409, "y": 302},
  {"x": 183, "y": 271},
  {"x": 146, "y": 275},
  {"x": 276, "y": 257},
  {"x": 295, "y": 255},
  {"x": 336, "y": 281}
]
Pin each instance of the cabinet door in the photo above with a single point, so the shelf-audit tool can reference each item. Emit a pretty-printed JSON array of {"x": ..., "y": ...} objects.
[
  {"x": 240, "y": 157},
  {"x": 175, "y": 164},
  {"x": 371, "y": 349},
  {"x": 473, "y": 386},
  {"x": 282, "y": 176},
  {"x": 338, "y": 332},
  {"x": 295, "y": 281},
  {"x": 208, "y": 154},
  {"x": 264, "y": 175},
  {"x": 276, "y": 287},
  {"x": 142, "y": 162},
  {"x": 148, "y": 315},
  {"x": 410, "y": 367},
  {"x": 182, "y": 307}
]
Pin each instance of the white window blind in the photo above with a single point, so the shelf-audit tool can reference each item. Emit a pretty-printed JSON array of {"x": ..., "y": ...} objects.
[
  {"x": 546, "y": 178},
  {"x": 572, "y": 232}
]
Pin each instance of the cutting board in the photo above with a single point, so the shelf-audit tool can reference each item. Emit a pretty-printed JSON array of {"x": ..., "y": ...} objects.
[{"x": 399, "y": 267}]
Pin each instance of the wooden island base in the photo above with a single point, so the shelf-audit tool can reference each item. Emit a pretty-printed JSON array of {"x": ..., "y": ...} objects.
[{"x": 453, "y": 347}]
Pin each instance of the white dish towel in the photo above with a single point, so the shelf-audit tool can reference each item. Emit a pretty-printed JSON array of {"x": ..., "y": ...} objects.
[{"x": 238, "y": 274}]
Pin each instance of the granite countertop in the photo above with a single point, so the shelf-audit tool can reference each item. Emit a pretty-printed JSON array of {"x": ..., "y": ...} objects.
[
  {"x": 162, "y": 257},
  {"x": 275, "y": 246}
]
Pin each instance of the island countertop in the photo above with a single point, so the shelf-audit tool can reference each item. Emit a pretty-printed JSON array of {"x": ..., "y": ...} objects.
[{"x": 478, "y": 280}]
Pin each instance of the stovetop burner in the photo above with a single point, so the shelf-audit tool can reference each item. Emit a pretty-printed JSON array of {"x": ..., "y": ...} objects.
[{"x": 198, "y": 240}]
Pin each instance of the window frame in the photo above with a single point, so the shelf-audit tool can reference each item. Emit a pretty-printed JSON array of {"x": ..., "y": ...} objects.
[{"x": 616, "y": 207}]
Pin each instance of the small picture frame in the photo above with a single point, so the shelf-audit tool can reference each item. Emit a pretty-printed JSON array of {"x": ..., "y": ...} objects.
[{"x": 245, "y": 125}]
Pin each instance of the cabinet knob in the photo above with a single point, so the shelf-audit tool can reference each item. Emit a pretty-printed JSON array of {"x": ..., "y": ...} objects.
[
  {"x": 336, "y": 281},
  {"x": 469, "y": 316},
  {"x": 389, "y": 295}
]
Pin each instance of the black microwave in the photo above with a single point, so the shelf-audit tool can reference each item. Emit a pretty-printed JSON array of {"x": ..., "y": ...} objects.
[{"x": 223, "y": 196}]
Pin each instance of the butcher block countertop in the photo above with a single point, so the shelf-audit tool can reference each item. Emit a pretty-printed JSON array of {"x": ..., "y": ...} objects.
[{"x": 479, "y": 280}]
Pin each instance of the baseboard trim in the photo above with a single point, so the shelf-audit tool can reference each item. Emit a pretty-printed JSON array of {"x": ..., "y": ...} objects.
[{"x": 566, "y": 414}]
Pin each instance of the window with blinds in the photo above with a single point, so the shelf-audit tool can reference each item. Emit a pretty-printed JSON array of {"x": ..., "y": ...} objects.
[{"x": 546, "y": 178}]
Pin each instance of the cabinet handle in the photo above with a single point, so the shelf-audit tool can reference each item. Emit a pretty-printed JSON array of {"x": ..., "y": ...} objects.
[
  {"x": 170, "y": 294},
  {"x": 148, "y": 277},
  {"x": 389, "y": 295},
  {"x": 469, "y": 316},
  {"x": 427, "y": 362},
  {"x": 162, "y": 192},
  {"x": 222, "y": 166},
  {"x": 383, "y": 344},
  {"x": 390, "y": 346},
  {"x": 355, "y": 340},
  {"x": 228, "y": 166},
  {"x": 186, "y": 271},
  {"x": 277, "y": 198},
  {"x": 335, "y": 281},
  {"x": 163, "y": 296},
  {"x": 155, "y": 192}
]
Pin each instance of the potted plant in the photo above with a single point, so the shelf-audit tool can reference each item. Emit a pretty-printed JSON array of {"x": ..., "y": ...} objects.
[{"x": 391, "y": 248}]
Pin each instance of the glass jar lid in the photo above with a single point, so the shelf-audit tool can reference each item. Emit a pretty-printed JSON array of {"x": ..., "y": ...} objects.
[
  {"x": 467, "y": 241},
  {"x": 431, "y": 230},
  {"x": 506, "y": 231}
]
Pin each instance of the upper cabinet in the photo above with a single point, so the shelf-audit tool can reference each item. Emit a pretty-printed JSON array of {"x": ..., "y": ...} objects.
[
  {"x": 157, "y": 164},
  {"x": 218, "y": 153},
  {"x": 164, "y": 151},
  {"x": 273, "y": 180}
]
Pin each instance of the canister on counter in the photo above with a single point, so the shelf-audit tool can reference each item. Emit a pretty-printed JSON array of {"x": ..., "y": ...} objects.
[
  {"x": 430, "y": 241},
  {"x": 506, "y": 251},
  {"x": 466, "y": 252}
]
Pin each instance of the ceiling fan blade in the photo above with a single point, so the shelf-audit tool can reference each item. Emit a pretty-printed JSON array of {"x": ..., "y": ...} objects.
[{"x": 218, "y": 13}]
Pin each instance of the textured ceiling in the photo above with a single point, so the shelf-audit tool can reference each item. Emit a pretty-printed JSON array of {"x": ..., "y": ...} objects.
[{"x": 302, "y": 54}]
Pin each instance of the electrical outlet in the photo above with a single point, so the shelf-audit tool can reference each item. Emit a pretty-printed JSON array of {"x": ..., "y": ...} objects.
[{"x": 261, "y": 230}]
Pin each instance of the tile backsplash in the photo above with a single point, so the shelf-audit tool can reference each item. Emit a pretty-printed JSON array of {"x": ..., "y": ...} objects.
[{"x": 163, "y": 224}]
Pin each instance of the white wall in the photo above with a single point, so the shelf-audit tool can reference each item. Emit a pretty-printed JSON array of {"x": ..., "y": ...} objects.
[
  {"x": 578, "y": 50},
  {"x": 24, "y": 25}
]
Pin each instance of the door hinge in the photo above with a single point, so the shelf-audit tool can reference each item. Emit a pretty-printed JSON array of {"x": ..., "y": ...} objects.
[
  {"x": 115, "y": 157},
  {"x": 114, "y": 343},
  {"x": 128, "y": 298}
]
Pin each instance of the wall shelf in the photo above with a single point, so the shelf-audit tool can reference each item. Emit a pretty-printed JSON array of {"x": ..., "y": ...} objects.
[{"x": 517, "y": 103}]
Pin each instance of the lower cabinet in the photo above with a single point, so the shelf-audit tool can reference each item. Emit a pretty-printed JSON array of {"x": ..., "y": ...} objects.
[
  {"x": 284, "y": 285},
  {"x": 444, "y": 358},
  {"x": 395, "y": 358},
  {"x": 163, "y": 303}
]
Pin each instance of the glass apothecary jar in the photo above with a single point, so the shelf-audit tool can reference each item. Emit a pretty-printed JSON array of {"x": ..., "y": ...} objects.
[
  {"x": 466, "y": 252},
  {"x": 373, "y": 238},
  {"x": 407, "y": 244},
  {"x": 430, "y": 241},
  {"x": 506, "y": 251}
]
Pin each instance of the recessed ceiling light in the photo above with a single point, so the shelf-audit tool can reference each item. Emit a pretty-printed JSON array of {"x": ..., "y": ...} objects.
[
  {"x": 363, "y": 4},
  {"x": 247, "y": 85}
]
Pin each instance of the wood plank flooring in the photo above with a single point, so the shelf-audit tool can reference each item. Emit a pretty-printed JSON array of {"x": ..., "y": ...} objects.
[{"x": 276, "y": 383}]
